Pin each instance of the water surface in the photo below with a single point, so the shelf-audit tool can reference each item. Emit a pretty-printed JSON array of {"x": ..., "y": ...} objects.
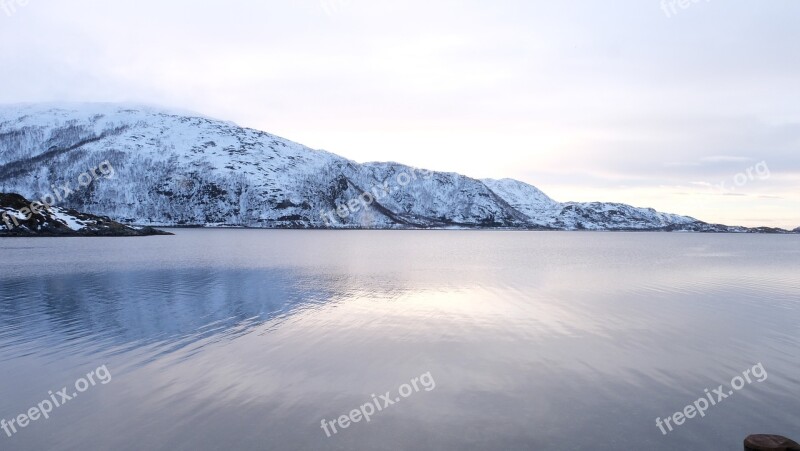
[{"x": 248, "y": 339}]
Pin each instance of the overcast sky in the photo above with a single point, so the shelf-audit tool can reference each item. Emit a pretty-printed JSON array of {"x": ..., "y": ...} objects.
[{"x": 688, "y": 110}]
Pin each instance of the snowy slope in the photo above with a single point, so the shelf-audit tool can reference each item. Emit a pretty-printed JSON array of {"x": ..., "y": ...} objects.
[
  {"x": 168, "y": 168},
  {"x": 172, "y": 169},
  {"x": 581, "y": 216}
]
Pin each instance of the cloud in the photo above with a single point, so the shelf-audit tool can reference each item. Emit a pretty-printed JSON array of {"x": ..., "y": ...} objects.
[
  {"x": 586, "y": 99},
  {"x": 726, "y": 159}
]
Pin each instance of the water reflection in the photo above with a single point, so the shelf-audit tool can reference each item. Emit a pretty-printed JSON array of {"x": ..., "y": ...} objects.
[{"x": 536, "y": 341}]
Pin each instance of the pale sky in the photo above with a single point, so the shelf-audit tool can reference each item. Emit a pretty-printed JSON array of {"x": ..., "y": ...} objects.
[{"x": 589, "y": 100}]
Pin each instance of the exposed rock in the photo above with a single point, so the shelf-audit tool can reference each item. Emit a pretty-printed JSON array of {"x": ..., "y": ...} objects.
[{"x": 20, "y": 217}]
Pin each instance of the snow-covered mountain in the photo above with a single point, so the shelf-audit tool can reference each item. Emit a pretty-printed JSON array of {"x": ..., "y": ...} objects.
[
  {"x": 21, "y": 217},
  {"x": 142, "y": 165},
  {"x": 575, "y": 216}
]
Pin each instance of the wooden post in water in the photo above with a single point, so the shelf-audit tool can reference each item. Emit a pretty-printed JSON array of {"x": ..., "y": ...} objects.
[{"x": 770, "y": 443}]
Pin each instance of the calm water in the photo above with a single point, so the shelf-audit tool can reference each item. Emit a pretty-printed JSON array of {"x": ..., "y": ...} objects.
[{"x": 248, "y": 339}]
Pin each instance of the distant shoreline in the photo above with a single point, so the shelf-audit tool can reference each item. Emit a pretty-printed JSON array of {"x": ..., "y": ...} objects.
[{"x": 776, "y": 231}]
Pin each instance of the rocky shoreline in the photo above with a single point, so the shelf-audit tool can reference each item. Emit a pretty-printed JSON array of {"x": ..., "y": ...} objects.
[{"x": 21, "y": 218}]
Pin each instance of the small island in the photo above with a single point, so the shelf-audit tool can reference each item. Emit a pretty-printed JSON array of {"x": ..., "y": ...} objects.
[{"x": 20, "y": 217}]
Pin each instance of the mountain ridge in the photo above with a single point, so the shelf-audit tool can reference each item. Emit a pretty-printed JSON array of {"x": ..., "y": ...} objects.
[{"x": 170, "y": 169}]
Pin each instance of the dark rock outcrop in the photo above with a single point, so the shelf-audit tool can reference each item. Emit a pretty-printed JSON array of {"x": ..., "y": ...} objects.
[{"x": 21, "y": 217}]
